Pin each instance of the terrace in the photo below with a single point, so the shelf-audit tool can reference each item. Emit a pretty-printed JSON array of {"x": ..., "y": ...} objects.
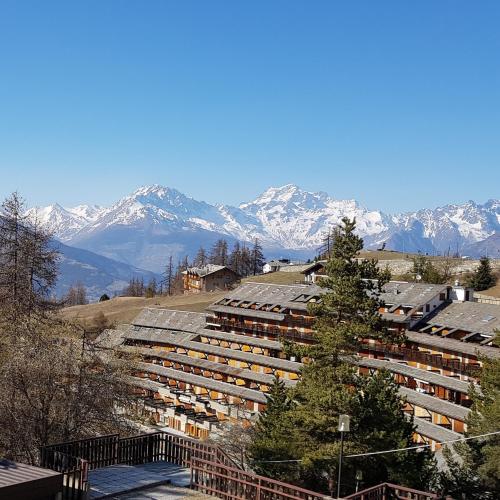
[{"x": 109, "y": 465}]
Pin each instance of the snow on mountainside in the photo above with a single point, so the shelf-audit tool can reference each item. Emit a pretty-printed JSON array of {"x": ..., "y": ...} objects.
[
  {"x": 298, "y": 219},
  {"x": 144, "y": 228}
]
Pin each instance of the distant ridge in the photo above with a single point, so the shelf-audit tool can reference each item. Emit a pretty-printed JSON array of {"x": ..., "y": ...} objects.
[{"x": 153, "y": 222}]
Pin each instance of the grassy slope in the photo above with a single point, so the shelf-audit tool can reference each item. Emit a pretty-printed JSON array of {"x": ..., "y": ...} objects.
[{"x": 124, "y": 309}]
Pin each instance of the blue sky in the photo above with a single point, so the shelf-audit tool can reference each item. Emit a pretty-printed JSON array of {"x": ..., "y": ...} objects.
[{"x": 394, "y": 103}]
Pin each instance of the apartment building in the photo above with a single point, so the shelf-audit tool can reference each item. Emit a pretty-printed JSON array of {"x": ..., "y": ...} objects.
[{"x": 197, "y": 370}]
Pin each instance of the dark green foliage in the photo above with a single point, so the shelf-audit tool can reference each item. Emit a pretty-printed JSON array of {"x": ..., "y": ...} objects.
[
  {"x": 483, "y": 278},
  {"x": 103, "y": 297},
  {"x": 381, "y": 424},
  {"x": 474, "y": 466},
  {"x": 273, "y": 437},
  {"x": 347, "y": 313},
  {"x": 424, "y": 270}
]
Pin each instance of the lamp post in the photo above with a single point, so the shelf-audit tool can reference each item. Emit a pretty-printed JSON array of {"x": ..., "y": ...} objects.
[
  {"x": 359, "y": 478},
  {"x": 344, "y": 426}
]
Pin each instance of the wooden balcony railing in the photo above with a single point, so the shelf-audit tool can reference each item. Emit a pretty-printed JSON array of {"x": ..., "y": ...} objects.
[
  {"x": 435, "y": 360},
  {"x": 261, "y": 328}
]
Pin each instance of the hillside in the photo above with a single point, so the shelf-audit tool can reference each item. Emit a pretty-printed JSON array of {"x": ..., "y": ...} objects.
[
  {"x": 98, "y": 274},
  {"x": 124, "y": 309}
]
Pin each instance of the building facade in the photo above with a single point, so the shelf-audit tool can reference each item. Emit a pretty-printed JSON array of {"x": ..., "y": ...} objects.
[
  {"x": 199, "y": 370},
  {"x": 208, "y": 278}
]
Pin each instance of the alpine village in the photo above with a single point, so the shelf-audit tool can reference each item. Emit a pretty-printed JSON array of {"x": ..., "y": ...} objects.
[{"x": 240, "y": 378}]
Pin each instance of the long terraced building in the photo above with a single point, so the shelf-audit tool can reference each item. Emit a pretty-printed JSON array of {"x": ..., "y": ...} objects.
[{"x": 194, "y": 371}]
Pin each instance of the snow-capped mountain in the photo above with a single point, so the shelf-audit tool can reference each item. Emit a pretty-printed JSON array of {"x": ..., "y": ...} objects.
[
  {"x": 297, "y": 219},
  {"x": 144, "y": 228}
]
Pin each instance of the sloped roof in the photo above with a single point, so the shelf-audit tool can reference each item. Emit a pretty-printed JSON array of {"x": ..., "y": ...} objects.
[
  {"x": 452, "y": 345},
  {"x": 207, "y": 270},
  {"x": 170, "y": 319},
  {"x": 410, "y": 294},
  {"x": 469, "y": 316}
]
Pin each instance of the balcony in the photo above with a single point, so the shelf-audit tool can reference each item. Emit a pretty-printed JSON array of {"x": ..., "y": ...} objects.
[
  {"x": 261, "y": 328},
  {"x": 436, "y": 360}
]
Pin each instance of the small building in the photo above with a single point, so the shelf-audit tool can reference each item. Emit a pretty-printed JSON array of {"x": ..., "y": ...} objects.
[
  {"x": 314, "y": 271},
  {"x": 275, "y": 265},
  {"x": 208, "y": 278},
  {"x": 29, "y": 482}
]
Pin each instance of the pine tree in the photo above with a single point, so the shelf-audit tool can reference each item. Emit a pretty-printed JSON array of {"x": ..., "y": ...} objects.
[
  {"x": 272, "y": 439},
  {"x": 257, "y": 258},
  {"x": 381, "y": 424},
  {"x": 201, "y": 259},
  {"x": 235, "y": 260},
  {"x": 219, "y": 253},
  {"x": 483, "y": 278},
  {"x": 424, "y": 270},
  {"x": 151, "y": 289},
  {"x": 347, "y": 313},
  {"x": 246, "y": 261}
]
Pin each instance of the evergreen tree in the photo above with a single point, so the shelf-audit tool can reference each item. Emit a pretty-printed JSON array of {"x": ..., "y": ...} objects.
[
  {"x": 483, "y": 278},
  {"x": 201, "y": 259},
  {"x": 473, "y": 467},
  {"x": 257, "y": 258},
  {"x": 104, "y": 297},
  {"x": 219, "y": 253},
  {"x": 151, "y": 289},
  {"x": 380, "y": 423},
  {"x": 424, "y": 270},
  {"x": 235, "y": 261},
  {"x": 347, "y": 313},
  {"x": 272, "y": 439},
  {"x": 246, "y": 261}
]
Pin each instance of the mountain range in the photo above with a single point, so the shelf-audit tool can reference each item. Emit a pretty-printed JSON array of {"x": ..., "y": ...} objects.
[{"x": 144, "y": 228}]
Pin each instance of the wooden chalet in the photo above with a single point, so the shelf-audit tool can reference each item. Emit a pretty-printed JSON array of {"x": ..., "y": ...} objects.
[{"x": 208, "y": 278}]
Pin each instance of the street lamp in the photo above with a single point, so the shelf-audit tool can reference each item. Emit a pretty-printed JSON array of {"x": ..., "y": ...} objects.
[
  {"x": 344, "y": 426},
  {"x": 359, "y": 478}
]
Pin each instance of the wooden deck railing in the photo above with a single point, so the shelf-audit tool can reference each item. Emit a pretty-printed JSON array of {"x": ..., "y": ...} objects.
[
  {"x": 388, "y": 491},
  {"x": 212, "y": 471},
  {"x": 229, "y": 483}
]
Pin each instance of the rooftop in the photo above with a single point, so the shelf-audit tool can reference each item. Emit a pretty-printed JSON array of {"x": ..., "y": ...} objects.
[
  {"x": 206, "y": 270},
  {"x": 469, "y": 316},
  {"x": 410, "y": 294}
]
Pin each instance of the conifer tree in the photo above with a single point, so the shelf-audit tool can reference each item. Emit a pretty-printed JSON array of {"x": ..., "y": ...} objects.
[
  {"x": 347, "y": 313},
  {"x": 272, "y": 439},
  {"x": 235, "y": 259},
  {"x": 483, "y": 278},
  {"x": 473, "y": 467},
  {"x": 201, "y": 259},
  {"x": 257, "y": 257},
  {"x": 246, "y": 261},
  {"x": 219, "y": 254}
]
